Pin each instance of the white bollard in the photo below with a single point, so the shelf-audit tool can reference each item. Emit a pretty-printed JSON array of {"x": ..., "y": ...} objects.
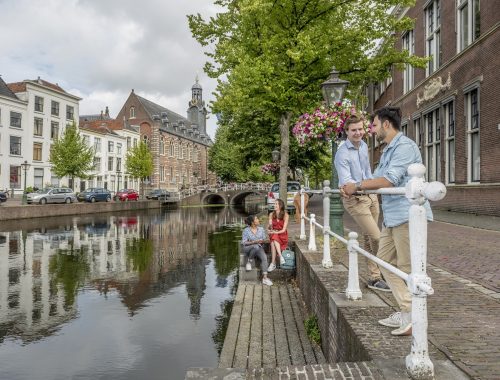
[
  {"x": 353, "y": 291},
  {"x": 418, "y": 363},
  {"x": 302, "y": 214},
  {"x": 327, "y": 261},
  {"x": 312, "y": 234}
]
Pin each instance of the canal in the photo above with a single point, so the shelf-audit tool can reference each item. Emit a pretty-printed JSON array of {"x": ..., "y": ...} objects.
[{"x": 125, "y": 296}]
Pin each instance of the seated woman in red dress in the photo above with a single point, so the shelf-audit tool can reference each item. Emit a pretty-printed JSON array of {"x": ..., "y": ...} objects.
[{"x": 278, "y": 234}]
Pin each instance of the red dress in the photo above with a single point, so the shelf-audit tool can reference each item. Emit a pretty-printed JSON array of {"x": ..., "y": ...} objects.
[{"x": 277, "y": 225}]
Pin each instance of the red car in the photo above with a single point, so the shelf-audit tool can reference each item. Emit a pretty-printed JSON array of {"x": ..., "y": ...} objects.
[{"x": 127, "y": 195}]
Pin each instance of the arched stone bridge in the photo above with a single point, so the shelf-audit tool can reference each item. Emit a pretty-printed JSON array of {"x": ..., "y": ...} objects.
[{"x": 228, "y": 195}]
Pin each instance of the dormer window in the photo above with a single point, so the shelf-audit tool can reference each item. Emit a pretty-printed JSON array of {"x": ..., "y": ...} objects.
[{"x": 132, "y": 112}]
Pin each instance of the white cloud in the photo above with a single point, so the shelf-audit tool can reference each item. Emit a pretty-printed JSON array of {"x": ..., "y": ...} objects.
[{"x": 101, "y": 49}]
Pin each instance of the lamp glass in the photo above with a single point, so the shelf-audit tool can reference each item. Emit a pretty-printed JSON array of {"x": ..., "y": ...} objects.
[{"x": 276, "y": 155}]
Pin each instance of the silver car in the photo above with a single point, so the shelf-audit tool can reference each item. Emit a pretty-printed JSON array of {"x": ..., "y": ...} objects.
[{"x": 52, "y": 195}]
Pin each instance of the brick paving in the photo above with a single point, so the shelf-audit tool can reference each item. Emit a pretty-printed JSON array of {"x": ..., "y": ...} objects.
[{"x": 464, "y": 312}]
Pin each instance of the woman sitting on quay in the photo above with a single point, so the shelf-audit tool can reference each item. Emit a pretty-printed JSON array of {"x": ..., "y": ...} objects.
[
  {"x": 253, "y": 238},
  {"x": 278, "y": 233}
]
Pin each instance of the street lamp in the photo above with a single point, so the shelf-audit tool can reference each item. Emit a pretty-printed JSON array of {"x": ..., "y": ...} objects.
[
  {"x": 333, "y": 92},
  {"x": 276, "y": 157},
  {"x": 118, "y": 177},
  {"x": 25, "y": 167}
]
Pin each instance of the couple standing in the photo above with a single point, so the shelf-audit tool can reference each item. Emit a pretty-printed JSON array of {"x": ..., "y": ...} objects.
[{"x": 392, "y": 245}]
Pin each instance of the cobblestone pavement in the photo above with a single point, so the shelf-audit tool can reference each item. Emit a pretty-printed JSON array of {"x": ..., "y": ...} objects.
[{"x": 464, "y": 312}]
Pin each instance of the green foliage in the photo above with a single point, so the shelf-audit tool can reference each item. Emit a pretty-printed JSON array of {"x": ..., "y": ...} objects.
[
  {"x": 224, "y": 156},
  {"x": 139, "y": 252},
  {"x": 274, "y": 55},
  {"x": 70, "y": 155},
  {"x": 312, "y": 329},
  {"x": 139, "y": 161},
  {"x": 224, "y": 247}
]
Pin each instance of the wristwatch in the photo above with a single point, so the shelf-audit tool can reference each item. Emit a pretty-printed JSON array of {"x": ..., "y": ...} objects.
[{"x": 358, "y": 186}]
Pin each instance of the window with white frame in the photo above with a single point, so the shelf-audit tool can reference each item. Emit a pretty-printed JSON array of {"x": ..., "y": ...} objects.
[
  {"x": 162, "y": 146},
  {"x": 54, "y": 108},
  {"x": 38, "y": 127},
  {"x": 449, "y": 125},
  {"x": 15, "y": 145},
  {"x": 118, "y": 164},
  {"x": 54, "y": 130},
  {"x": 70, "y": 112},
  {"x": 38, "y": 177},
  {"x": 99, "y": 181},
  {"x": 419, "y": 135},
  {"x": 15, "y": 119},
  {"x": 118, "y": 148},
  {"x": 97, "y": 164},
  {"x": 468, "y": 23},
  {"x": 111, "y": 146},
  {"x": 97, "y": 144},
  {"x": 472, "y": 120},
  {"x": 15, "y": 177},
  {"x": 433, "y": 36},
  {"x": 183, "y": 152},
  {"x": 433, "y": 145},
  {"x": 110, "y": 164},
  {"x": 132, "y": 112},
  {"x": 408, "y": 45},
  {"x": 176, "y": 147},
  {"x": 195, "y": 154},
  {"x": 172, "y": 150},
  {"x": 37, "y": 151},
  {"x": 162, "y": 173},
  {"x": 129, "y": 142},
  {"x": 38, "y": 104}
]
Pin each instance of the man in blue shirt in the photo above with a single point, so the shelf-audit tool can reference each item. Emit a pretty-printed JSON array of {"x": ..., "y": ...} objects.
[
  {"x": 353, "y": 166},
  {"x": 394, "y": 245}
]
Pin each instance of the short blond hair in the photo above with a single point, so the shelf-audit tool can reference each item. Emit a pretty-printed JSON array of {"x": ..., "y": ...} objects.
[{"x": 353, "y": 119}]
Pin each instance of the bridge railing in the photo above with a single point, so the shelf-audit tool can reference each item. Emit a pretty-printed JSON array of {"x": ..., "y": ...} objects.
[
  {"x": 259, "y": 186},
  {"x": 417, "y": 191}
]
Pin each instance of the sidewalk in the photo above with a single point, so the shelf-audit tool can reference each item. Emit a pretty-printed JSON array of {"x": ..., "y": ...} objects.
[{"x": 464, "y": 265}]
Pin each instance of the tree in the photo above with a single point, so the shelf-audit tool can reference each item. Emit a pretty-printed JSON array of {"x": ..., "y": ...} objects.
[
  {"x": 139, "y": 162},
  {"x": 275, "y": 54},
  {"x": 70, "y": 155},
  {"x": 224, "y": 156}
]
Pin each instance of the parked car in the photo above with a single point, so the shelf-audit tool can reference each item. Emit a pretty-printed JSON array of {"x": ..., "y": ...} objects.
[
  {"x": 52, "y": 195},
  {"x": 3, "y": 197},
  {"x": 95, "y": 194},
  {"x": 293, "y": 188},
  {"x": 126, "y": 195},
  {"x": 158, "y": 194}
]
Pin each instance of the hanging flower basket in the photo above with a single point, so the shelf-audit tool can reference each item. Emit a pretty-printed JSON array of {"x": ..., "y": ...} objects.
[
  {"x": 272, "y": 168},
  {"x": 324, "y": 124}
]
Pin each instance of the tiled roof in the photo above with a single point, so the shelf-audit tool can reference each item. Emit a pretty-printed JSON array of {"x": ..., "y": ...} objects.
[
  {"x": 21, "y": 86},
  {"x": 94, "y": 117},
  {"x": 6, "y": 91},
  {"x": 17, "y": 87},
  {"x": 102, "y": 126}
]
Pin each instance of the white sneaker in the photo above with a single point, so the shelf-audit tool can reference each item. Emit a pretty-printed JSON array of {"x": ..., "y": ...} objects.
[
  {"x": 394, "y": 320},
  {"x": 282, "y": 260},
  {"x": 271, "y": 267},
  {"x": 405, "y": 328},
  {"x": 248, "y": 267},
  {"x": 266, "y": 281}
]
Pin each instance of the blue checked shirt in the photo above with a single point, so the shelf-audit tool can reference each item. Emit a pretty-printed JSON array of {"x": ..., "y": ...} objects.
[
  {"x": 352, "y": 164},
  {"x": 393, "y": 166},
  {"x": 248, "y": 235}
]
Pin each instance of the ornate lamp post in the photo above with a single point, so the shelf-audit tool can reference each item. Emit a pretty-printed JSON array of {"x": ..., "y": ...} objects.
[
  {"x": 276, "y": 157},
  {"x": 118, "y": 177},
  {"x": 25, "y": 167},
  {"x": 333, "y": 92}
]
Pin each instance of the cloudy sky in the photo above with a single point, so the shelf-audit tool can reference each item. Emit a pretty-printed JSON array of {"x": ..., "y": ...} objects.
[{"x": 101, "y": 49}]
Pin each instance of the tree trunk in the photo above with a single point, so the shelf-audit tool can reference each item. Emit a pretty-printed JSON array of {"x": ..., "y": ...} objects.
[{"x": 285, "y": 149}]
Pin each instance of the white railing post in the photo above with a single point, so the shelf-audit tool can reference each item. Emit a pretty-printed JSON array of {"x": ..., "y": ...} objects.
[
  {"x": 418, "y": 363},
  {"x": 312, "y": 234},
  {"x": 327, "y": 261},
  {"x": 302, "y": 214},
  {"x": 353, "y": 292}
]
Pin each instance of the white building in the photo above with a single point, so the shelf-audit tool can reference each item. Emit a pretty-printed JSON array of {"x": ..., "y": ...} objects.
[{"x": 47, "y": 111}]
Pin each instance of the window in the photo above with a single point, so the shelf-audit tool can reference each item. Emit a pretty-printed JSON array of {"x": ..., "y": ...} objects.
[
  {"x": 54, "y": 108},
  {"x": 97, "y": 144},
  {"x": 86, "y": 140},
  {"x": 449, "y": 124},
  {"x": 37, "y": 151},
  {"x": 135, "y": 143},
  {"x": 111, "y": 146},
  {"x": 132, "y": 112},
  {"x": 118, "y": 148},
  {"x": 433, "y": 36},
  {"x": 183, "y": 152},
  {"x": 408, "y": 45},
  {"x": 404, "y": 129},
  {"x": 129, "y": 142},
  {"x": 118, "y": 164},
  {"x": 162, "y": 173},
  {"x": 162, "y": 146},
  {"x": 54, "y": 130},
  {"x": 195, "y": 155},
  {"x": 70, "y": 112},
  {"x": 15, "y": 177},
  {"x": 15, "y": 119},
  {"x": 110, "y": 163},
  {"x": 15, "y": 145},
  {"x": 38, "y": 127},
  {"x": 468, "y": 23},
  {"x": 472, "y": 120},
  {"x": 172, "y": 151},
  {"x": 176, "y": 150},
  {"x": 146, "y": 140},
  {"x": 38, "y": 177},
  {"x": 38, "y": 104},
  {"x": 433, "y": 145},
  {"x": 419, "y": 135},
  {"x": 97, "y": 164},
  {"x": 99, "y": 181}
]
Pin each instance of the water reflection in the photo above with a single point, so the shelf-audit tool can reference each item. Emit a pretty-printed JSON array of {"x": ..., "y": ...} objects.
[{"x": 50, "y": 275}]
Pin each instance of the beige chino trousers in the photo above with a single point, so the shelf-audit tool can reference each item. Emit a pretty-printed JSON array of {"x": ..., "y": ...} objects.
[
  {"x": 365, "y": 211},
  {"x": 394, "y": 248}
]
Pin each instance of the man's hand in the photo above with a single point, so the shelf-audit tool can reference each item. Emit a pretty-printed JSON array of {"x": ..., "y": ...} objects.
[
  {"x": 350, "y": 188},
  {"x": 342, "y": 193}
]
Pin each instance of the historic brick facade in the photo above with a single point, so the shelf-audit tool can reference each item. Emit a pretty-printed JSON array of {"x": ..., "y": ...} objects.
[{"x": 450, "y": 107}]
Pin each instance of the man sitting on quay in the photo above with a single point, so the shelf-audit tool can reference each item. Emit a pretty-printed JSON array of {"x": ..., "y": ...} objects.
[
  {"x": 394, "y": 245},
  {"x": 353, "y": 166}
]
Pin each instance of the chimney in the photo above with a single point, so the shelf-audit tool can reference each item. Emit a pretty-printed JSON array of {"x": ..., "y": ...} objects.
[
  {"x": 107, "y": 112},
  {"x": 39, "y": 80},
  {"x": 101, "y": 114}
]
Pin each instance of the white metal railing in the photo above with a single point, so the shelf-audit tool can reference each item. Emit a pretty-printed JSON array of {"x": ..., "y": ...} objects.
[{"x": 417, "y": 191}]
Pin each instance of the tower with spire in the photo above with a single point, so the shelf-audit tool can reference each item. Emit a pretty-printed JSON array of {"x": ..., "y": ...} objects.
[{"x": 197, "y": 113}]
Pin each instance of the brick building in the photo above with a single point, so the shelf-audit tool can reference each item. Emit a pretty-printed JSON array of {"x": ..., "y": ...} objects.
[
  {"x": 449, "y": 108},
  {"x": 179, "y": 145}
]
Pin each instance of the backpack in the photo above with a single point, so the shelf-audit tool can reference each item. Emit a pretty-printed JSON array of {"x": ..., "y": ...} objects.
[{"x": 289, "y": 257}]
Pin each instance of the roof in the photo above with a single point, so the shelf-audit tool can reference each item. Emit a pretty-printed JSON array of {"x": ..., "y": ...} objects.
[
  {"x": 21, "y": 86},
  {"x": 6, "y": 91},
  {"x": 102, "y": 126}
]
